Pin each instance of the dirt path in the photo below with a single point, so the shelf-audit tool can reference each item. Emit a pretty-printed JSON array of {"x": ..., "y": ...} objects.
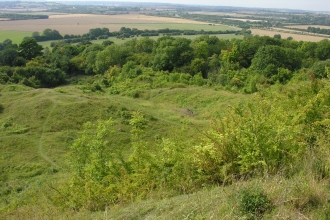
[{"x": 40, "y": 145}]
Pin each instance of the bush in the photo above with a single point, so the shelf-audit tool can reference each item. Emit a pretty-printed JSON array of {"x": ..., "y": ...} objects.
[
  {"x": 320, "y": 69},
  {"x": 253, "y": 202},
  {"x": 1, "y": 108}
]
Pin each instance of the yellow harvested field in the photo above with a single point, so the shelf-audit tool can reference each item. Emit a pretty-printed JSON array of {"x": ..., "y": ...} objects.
[
  {"x": 82, "y": 23},
  {"x": 245, "y": 20},
  {"x": 306, "y": 26},
  {"x": 297, "y": 37},
  {"x": 217, "y": 13}
]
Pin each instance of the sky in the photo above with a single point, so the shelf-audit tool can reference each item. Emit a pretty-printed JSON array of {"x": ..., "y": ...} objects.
[{"x": 314, "y": 5}]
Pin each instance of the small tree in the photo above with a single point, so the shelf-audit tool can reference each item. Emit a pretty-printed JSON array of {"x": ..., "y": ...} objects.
[
  {"x": 29, "y": 49},
  {"x": 277, "y": 36}
]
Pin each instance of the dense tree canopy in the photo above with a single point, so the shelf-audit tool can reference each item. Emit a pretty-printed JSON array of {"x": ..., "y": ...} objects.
[
  {"x": 239, "y": 64},
  {"x": 29, "y": 48}
]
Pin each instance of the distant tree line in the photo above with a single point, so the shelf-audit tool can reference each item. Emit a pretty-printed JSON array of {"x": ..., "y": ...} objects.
[
  {"x": 21, "y": 64},
  {"x": 11, "y": 16},
  {"x": 265, "y": 20},
  {"x": 94, "y": 9},
  {"x": 47, "y": 34},
  {"x": 239, "y": 64},
  {"x": 104, "y": 33},
  {"x": 319, "y": 30}
]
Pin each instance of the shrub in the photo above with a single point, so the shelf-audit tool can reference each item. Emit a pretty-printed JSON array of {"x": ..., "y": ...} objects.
[{"x": 253, "y": 202}]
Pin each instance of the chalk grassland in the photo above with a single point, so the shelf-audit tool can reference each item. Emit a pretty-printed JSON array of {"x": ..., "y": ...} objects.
[
  {"x": 306, "y": 26},
  {"x": 82, "y": 23},
  {"x": 39, "y": 125},
  {"x": 297, "y": 37},
  {"x": 15, "y": 36}
]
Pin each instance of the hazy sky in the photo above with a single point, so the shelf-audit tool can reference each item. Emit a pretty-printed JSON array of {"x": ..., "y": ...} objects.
[{"x": 316, "y": 5}]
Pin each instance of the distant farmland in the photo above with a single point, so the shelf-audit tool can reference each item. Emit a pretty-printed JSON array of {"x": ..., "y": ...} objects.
[
  {"x": 82, "y": 23},
  {"x": 306, "y": 26},
  {"x": 298, "y": 37}
]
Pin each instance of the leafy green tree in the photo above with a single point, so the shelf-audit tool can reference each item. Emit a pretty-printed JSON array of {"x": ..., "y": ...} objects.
[
  {"x": 107, "y": 43},
  {"x": 49, "y": 34},
  {"x": 170, "y": 53},
  {"x": 61, "y": 56},
  {"x": 277, "y": 36},
  {"x": 201, "y": 50},
  {"x": 308, "y": 49},
  {"x": 8, "y": 56},
  {"x": 29, "y": 49},
  {"x": 322, "y": 50},
  {"x": 277, "y": 57},
  {"x": 111, "y": 56},
  {"x": 320, "y": 69},
  {"x": 247, "y": 49},
  {"x": 199, "y": 65},
  {"x": 130, "y": 70},
  {"x": 214, "y": 62},
  {"x": 144, "y": 45},
  {"x": 35, "y": 34}
]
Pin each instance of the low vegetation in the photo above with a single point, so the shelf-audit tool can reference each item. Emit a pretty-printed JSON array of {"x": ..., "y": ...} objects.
[{"x": 165, "y": 128}]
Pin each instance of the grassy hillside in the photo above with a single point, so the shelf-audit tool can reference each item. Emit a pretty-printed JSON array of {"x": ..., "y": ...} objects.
[{"x": 39, "y": 125}]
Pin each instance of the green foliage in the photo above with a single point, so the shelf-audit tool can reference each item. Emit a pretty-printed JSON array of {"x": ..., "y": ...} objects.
[
  {"x": 29, "y": 49},
  {"x": 276, "y": 56},
  {"x": 277, "y": 36},
  {"x": 320, "y": 69},
  {"x": 322, "y": 50},
  {"x": 36, "y": 76},
  {"x": 253, "y": 203},
  {"x": 1, "y": 108},
  {"x": 170, "y": 53},
  {"x": 268, "y": 139}
]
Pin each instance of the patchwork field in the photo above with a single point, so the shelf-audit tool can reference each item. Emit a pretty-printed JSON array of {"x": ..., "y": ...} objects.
[
  {"x": 297, "y": 37},
  {"x": 232, "y": 14},
  {"x": 245, "y": 20},
  {"x": 81, "y": 23}
]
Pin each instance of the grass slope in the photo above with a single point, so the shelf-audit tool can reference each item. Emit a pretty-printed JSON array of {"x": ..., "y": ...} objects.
[{"x": 38, "y": 126}]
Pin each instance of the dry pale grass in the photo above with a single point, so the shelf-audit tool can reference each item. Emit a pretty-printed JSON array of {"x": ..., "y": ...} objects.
[
  {"x": 128, "y": 18},
  {"x": 242, "y": 19},
  {"x": 81, "y": 23},
  {"x": 298, "y": 37}
]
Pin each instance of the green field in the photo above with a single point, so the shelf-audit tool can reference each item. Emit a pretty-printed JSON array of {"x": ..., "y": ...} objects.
[{"x": 15, "y": 36}]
